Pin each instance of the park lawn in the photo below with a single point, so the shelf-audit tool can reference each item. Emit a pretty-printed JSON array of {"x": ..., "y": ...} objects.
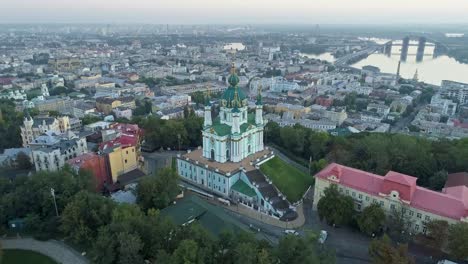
[
  {"x": 16, "y": 256},
  {"x": 289, "y": 180}
]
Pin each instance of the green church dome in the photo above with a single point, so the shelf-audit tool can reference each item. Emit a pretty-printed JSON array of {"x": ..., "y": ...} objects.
[
  {"x": 233, "y": 80},
  {"x": 233, "y": 96}
]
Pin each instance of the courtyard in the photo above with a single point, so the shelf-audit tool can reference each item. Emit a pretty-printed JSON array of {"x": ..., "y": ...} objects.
[{"x": 289, "y": 180}]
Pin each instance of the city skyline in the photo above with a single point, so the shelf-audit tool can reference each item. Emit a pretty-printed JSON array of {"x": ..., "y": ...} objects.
[{"x": 234, "y": 12}]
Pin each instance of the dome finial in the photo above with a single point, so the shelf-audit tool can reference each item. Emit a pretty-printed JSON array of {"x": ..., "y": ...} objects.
[
  {"x": 233, "y": 68},
  {"x": 233, "y": 79}
]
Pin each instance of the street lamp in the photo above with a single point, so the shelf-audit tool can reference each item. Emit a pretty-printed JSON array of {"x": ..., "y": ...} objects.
[{"x": 52, "y": 192}]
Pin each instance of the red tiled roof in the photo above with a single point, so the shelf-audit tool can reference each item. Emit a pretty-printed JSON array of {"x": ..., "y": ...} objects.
[
  {"x": 79, "y": 160},
  {"x": 124, "y": 141},
  {"x": 451, "y": 203}
]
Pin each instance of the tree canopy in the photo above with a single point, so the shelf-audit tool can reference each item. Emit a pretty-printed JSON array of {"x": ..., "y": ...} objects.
[
  {"x": 372, "y": 219},
  {"x": 382, "y": 251},
  {"x": 458, "y": 240},
  {"x": 376, "y": 152},
  {"x": 158, "y": 191},
  {"x": 334, "y": 207}
]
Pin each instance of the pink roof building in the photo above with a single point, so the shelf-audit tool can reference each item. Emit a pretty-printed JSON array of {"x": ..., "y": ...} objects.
[{"x": 451, "y": 203}]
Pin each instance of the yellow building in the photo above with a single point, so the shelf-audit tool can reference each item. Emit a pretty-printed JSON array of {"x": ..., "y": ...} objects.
[
  {"x": 106, "y": 105},
  {"x": 122, "y": 160}
]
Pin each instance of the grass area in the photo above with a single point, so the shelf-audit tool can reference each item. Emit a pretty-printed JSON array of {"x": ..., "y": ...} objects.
[
  {"x": 16, "y": 256},
  {"x": 290, "y": 181},
  {"x": 290, "y": 155}
]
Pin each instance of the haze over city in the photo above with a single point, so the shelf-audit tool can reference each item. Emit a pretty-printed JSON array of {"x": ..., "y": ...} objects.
[
  {"x": 234, "y": 12},
  {"x": 234, "y": 132}
]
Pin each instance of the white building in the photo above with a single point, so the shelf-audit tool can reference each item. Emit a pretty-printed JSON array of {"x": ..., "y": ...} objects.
[
  {"x": 56, "y": 150},
  {"x": 34, "y": 127}
]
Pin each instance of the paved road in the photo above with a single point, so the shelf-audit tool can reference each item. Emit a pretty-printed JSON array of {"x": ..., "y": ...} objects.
[
  {"x": 401, "y": 124},
  {"x": 57, "y": 250}
]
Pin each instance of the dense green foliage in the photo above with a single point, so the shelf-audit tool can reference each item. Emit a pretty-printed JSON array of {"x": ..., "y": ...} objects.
[
  {"x": 133, "y": 236},
  {"x": 371, "y": 219},
  {"x": 376, "y": 152},
  {"x": 169, "y": 133},
  {"x": 30, "y": 198},
  {"x": 382, "y": 251},
  {"x": 84, "y": 215},
  {"x": 335, "y": 208},
  {"x": 158, "y": 191},
  {"x": 89, "y": 119},
  {"x": 10, "y": 122},
  {"x": 437, "y": 233},
  {"x": 289, "y": 180},
  {"x": 458, "y": 240},
  {"x": 143, "y": 107},
  {"x": 60, "y": 90}
]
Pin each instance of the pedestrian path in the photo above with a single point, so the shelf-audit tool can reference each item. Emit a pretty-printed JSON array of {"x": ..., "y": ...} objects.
[{"x": 56, "y": 250}]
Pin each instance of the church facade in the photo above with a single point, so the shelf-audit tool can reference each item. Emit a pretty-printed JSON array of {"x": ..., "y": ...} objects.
[
  {"x": 234, "y": 134},
  {"x": 227, "y": 165}
]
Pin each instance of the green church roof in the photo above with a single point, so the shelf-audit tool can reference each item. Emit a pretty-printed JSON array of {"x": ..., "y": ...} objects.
[
  {"x": 224, "y": 130},
  {"x": 242, "y": 187}
]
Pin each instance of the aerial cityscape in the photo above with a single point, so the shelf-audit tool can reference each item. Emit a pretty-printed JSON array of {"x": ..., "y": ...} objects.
[{"x": 249, "y": 132}]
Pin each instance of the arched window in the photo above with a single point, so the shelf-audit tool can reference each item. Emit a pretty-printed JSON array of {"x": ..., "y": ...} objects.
[
  {"x": 248, "y": 149},
  {"x": 227, "y": 154},
  {"x": 212, "y": 154}
]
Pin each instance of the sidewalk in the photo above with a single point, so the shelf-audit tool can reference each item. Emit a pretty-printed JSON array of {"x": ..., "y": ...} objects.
[
  {"x": 56, "y": 250},
  {"x": 296, "y": 223}
]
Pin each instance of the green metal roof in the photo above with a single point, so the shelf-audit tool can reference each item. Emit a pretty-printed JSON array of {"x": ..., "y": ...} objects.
[
  {"x": 230, "y": 96},
  {"x": 242, "y": 187},
  {"x": 223, "y": 129}
]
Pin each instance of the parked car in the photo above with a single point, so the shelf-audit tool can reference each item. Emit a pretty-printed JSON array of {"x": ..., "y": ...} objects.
[
  {"x": 291, "y": 232},
  {"x": 323, "y": 236}
]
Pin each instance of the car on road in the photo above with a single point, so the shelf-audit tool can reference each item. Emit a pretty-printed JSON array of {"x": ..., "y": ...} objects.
[
  {"x": 291, "y": 232},
  {"x": 254, "y": 228},
  {"x": 323, "y": 236}
]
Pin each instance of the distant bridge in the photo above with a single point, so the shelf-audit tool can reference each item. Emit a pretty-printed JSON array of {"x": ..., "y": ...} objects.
[{"x": 421, "y": 46}]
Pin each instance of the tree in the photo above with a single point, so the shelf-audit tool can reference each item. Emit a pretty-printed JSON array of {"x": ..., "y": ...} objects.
[
  {"x": 382, "y": 251},
  {"x": 187, "y": 253},
  {"x": 84, "y": 215},
  {"x": 437, "y": 233},
  {"x": 245, "y": 253},
  {"x": 371, "y": 220},
  {"x": 1, "y": 252},
  {"x": 296, "y": 250},
  {"x": 437, "y": 181},
  {"x": 129, "y": 249},
  {"x": 335, "y": 208},
  {"x": 23, "y": 161},
  {"x": 104, "y": 247},
  {"x": 458, "y": 240},
  {"x": 318, "y": 144},
  {"x": 159, "y": 190},
  {"x": 398, "y": 225}
]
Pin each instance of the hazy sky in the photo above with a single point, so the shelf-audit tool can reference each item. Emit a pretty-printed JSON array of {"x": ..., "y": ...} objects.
[{"x": 240, "y": 11}]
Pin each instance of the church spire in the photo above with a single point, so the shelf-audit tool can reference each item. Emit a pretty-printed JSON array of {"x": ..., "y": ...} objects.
[
  {"x": 207, "y": 98},
  {"x": 259, "y": 96}
]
